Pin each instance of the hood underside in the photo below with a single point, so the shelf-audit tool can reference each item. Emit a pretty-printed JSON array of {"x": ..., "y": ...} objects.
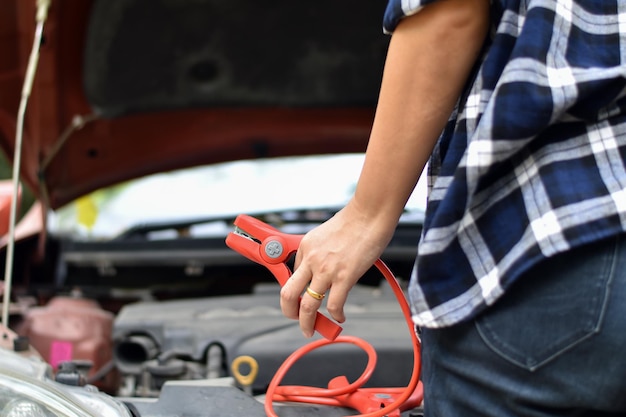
[{"x": 126, "y": 88}]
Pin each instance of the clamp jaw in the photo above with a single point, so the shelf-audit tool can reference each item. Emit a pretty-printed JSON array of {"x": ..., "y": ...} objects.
[{"x": 267, "y": 246}]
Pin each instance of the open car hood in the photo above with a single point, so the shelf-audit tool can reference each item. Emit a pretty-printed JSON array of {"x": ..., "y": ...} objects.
[{"x": 126, "y": 88}]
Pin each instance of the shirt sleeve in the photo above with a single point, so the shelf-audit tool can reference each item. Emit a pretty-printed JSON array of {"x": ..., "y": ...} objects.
[{"x": 398, "y": 9}]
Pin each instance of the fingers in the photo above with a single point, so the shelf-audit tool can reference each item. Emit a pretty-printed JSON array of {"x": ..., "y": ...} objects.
[
  {"x": 335, "y": 302},
  {"x": 290, "y": 293},
  {"x": 302, "y": 298},
  {"x": 303, "y": 309},
  {"x": 309, "y": 306}
]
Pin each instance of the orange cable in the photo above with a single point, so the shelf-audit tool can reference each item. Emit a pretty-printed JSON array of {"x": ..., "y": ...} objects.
[{"x": 329, "y": 396}]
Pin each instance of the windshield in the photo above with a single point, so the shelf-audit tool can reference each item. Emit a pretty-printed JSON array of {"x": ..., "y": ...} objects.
[{"x": 217, "y": 191}]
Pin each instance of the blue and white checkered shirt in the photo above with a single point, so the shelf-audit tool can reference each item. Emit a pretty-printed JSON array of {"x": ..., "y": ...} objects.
[{"x": 532, "y": 162}]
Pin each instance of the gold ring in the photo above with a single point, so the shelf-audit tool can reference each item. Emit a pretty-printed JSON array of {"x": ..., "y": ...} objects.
[{"x": 315, "y": 294}]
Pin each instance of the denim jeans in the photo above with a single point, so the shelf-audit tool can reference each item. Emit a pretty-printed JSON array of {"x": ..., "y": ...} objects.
[{"x": 554, "y": 345}]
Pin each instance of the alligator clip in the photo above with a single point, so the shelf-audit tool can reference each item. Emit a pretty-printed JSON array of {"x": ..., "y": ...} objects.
[{"x": 271, "y": 248}]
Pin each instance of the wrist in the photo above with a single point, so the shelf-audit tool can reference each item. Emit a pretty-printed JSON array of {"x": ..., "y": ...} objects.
[{"x": 377, "y": 223}]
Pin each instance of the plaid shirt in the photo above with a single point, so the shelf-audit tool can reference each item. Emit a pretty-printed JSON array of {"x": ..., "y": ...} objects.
[{"x": 532, "y": 162}]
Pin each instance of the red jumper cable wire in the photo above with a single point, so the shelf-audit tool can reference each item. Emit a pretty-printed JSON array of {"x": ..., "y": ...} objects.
[{"x": 271, "y": 248}]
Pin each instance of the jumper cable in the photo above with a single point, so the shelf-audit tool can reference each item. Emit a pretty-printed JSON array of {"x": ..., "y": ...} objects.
[{"x": 271, "y": 248}]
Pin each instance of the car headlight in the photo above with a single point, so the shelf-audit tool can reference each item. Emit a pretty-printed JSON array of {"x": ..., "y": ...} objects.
[
  {"x": 25, "y": 396},
  {"x": 23, "y": 408}
]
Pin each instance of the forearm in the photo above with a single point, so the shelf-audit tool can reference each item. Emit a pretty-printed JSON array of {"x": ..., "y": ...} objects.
[{"x": 429, "y": 60}]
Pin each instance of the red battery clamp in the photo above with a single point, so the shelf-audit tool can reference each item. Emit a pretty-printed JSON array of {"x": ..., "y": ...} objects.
[{"x": 271, "y": 248}]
